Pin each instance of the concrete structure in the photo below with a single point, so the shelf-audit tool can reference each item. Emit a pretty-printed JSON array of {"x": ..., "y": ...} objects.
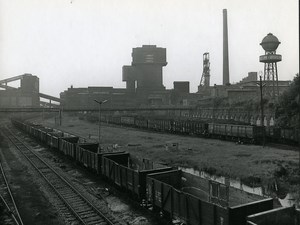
[
  {"x": 270, "y": 58},
  {"x": 182, "y": 87},
  {"x": 145, "y": 72},
  {"x": 144, "y": 80},
  {"x": 83, "y": 98},
  {"x": 225, "y": 50},
  {"x": 16, "y": 98},
  {"x": 30, "y": 84},
  {"x": 144, "y": 88},
  {"x": 144, "y": 85},
  {"x": 252, "y": 76},
  {"x": 129, "y": 77},
  {"x": 27, "y": 95}
]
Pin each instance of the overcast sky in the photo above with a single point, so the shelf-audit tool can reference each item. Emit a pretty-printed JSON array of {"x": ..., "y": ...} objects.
[{"x": 86, "y": 42}]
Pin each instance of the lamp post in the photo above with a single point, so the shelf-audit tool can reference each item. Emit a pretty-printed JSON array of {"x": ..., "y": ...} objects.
[
  {"x": 99, "y": 118},
  {"x": 298, "y": 99}
]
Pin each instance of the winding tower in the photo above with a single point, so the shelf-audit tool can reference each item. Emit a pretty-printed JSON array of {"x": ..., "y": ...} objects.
[{"x": 205, "y": 79}]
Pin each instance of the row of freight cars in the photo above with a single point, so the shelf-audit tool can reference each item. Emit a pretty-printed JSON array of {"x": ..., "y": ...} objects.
[
  {"x": 171, "y": 192},
  {"x": 233, "y": 132}
]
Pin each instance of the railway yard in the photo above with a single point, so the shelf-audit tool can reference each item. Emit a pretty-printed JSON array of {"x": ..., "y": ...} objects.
[
  {"x": 103, "y": 120},
  {"x": 248, "y": 162},
  {"x": 39, "y": 205},
  {"x": 272, "y": 170}
]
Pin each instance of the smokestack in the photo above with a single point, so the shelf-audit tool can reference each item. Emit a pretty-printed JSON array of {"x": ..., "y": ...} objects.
[{"x": 225, "y": 49}]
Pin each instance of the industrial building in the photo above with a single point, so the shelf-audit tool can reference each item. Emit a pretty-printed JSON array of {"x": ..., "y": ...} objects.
[
  {"x": 145, "y": 73},
  {"x": 144, "y": 85},
  {"x": 27, "y": 95}
]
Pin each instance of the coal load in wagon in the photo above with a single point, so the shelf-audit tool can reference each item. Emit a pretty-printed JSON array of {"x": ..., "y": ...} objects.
[{"x": 41, "y": 134}]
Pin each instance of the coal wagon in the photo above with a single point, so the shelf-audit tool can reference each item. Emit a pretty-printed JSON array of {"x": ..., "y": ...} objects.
[
  {"x": 67, "y": 145},
  {"x": 86, "y": 155},
  {"x": 290, "y": 135},
  {"x": 129, "y": 172},
  {"x": 241, "y": 133},
  {"x": 194, "y": 200},
  {"x": 162, "y": 125},
  {"x": 53, "y": 139},
  {"x": 141, "y": 123},
  {"x": 128, "y": 121}
]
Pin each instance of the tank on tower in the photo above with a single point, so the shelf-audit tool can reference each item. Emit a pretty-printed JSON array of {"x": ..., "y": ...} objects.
[{"x": 270, "y": 44}]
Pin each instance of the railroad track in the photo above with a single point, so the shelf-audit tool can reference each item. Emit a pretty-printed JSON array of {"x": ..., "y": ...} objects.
[
  {"x": 80, "y": 209},
  {"x": 11, "y": 214}
]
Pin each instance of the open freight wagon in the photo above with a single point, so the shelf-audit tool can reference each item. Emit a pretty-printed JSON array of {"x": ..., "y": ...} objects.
[
  {"x": 129, "y": 172},
  {"x": 53, "y": 139},
  {"x": 244, "y": 133},
  {"x": 198, "y": 201},
  {"x": 88, "y": 156},
  {"x": 67, "y": 145}
]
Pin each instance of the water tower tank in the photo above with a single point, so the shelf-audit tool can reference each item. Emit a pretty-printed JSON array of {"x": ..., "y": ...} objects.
[{"x": 270, "y": 43}]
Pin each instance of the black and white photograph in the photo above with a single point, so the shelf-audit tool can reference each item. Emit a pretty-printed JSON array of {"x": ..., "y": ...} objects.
[{"x": 149, "y": 112}]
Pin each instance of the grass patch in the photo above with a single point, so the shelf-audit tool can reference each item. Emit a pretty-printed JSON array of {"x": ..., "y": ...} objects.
[
  {"x": 158, "y": 146},
  {"x": 243, "y": 155},
  {"x": 210, "y": 170},
  {"x": 251, "y": 181},
  {"x": 281, "y": 172}
]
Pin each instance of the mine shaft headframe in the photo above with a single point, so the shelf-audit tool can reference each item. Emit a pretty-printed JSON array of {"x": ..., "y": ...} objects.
[{"x": 205, "y": 79}]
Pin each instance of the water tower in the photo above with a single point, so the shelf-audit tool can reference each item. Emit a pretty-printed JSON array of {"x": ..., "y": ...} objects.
[{"x": 270, "y": 58}]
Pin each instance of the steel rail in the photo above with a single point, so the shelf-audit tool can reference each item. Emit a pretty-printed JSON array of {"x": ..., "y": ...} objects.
[
  {"x": 10, "y": 212},
  {"x": 17, "y": 218},
  {"x": 64, "y": 195}
]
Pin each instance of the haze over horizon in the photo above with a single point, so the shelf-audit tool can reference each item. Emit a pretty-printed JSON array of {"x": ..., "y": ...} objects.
[{"x": 86, "y": 42}]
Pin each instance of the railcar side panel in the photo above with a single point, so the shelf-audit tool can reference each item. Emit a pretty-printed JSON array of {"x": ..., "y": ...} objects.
[
  {"x": 128, "y": 172},
  {"x": 68, "y": 146}
]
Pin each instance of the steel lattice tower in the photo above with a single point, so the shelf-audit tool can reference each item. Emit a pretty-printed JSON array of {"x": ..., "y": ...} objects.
[
  {"x": 205, "y": 79},
  {"x": 270, "y": 59}
]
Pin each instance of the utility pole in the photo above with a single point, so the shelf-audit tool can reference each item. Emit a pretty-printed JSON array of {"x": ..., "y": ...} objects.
[
  {"x": 262, "y": 108},
  {"x": 299, "y": 131},
  {"x": 60, "y": 117}
]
